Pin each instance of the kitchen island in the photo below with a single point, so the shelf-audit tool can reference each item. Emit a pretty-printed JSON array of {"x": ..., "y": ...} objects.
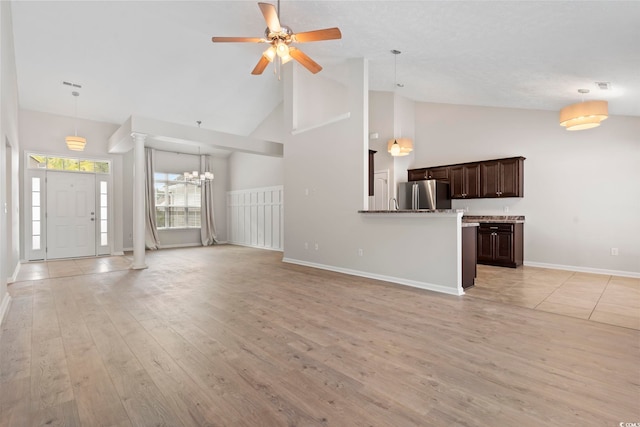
[{"x": 438, "y": 248}]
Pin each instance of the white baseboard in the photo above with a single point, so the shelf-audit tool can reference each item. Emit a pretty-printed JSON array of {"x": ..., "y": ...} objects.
[
  {"x": 117, "y": 253},
  {"x": 4, "y": 306},
  {"x": 414, "y": 284},
  {"x": 256, "y": 246},
  {"x": 14, "y": 276},
  {"x": 183, "y": 245},
  {"x": 583, "y": 269}
]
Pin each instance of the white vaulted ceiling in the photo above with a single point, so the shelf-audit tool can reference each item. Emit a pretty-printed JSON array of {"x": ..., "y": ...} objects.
[{"x": 156, "y": 59}]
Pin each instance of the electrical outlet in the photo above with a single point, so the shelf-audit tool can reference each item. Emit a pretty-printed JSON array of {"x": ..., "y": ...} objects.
[
  {"x": 614, "y": 251},
  {"x": 306, "y": 245},
  {"x": 506, "y": 209},
  {"x": 306, "y": 191},
  {"x": 317, "y": 246},
  {"x": 360, "y": 252}
]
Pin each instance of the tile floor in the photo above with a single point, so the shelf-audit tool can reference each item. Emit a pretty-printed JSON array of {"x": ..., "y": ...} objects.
[
  {"x": 71, "y": 267},
  {"x": 600, "y": 298}
]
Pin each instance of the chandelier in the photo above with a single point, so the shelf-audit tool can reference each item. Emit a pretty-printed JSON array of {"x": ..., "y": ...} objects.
[
  {"x": 195, "y": 177},
  {"x": 198, "y": 178}
]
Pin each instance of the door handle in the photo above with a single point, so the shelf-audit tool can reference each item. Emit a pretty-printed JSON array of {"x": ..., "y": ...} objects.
[{"x": 93, "y": 219}]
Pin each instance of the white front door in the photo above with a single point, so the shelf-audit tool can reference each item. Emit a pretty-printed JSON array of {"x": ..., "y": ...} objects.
[{"x": 71, "y": 219}]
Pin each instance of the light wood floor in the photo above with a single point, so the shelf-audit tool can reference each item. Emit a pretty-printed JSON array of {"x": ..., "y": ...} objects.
[{"x": 232, "y": 336}]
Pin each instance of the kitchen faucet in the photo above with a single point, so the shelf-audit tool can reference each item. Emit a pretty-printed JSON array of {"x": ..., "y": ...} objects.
[{"x": 395, "y": 204}]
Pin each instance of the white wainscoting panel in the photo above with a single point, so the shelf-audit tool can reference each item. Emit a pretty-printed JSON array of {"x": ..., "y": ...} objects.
[{"x": 254, "y": 217}]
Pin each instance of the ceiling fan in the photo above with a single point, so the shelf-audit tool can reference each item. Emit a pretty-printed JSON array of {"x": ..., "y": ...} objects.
[{"x": 280, "y": 38}]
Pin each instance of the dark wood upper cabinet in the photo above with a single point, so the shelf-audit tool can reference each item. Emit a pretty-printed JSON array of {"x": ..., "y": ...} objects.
[
  {"x": 486, "y": 179},
  {"x": 441, "y": 173},
  {"x": 502, "y": 178},
  {"x": 417, "y": 174},
  {"x": 464, "y": 181}
]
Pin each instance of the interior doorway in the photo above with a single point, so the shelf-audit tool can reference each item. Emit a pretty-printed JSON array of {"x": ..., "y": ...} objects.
[
  {"x": 381, "y": 190},
  {"x": 71, "y": 215}
]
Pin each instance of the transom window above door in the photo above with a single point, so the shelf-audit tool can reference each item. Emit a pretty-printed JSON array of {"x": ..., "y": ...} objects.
[{"x": 67, "y": 164}]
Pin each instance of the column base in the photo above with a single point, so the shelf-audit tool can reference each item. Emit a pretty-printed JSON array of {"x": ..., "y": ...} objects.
[{"x": 139, "y": 266}]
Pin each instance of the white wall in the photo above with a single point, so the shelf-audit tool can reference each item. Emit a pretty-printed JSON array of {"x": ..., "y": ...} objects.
[
  {"x": 391, "y": 116},
  {"x": 247, "y": 171},
  {"x": 326, "y": 185},
  {"x": 45, "y": 133},
  {"x": 9, "y": 155},
  {"x": 582, "y": 191}
]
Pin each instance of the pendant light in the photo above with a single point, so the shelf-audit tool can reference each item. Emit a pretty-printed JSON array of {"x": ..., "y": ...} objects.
[
  {"x": 196, "y": 177},
  {"x": 75, "y": 142},
  {"x": 585, "y": 114},
  {"x": 398, "y": 146}
]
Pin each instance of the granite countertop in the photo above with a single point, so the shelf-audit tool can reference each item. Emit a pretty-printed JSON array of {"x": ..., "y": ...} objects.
[
  {"x": 515, "y": 219},
  {"x": 470, "y": 224},
  {"x": 404, "y": 211}
]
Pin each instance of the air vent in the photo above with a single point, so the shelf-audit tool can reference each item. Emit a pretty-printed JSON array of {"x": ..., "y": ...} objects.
[
  {"x": 604, "y": 85},
  {"x": 72, "y": 84}
]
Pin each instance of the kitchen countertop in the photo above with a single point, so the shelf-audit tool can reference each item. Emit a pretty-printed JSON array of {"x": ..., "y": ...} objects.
[
  {"x": 425, "y": 212},
  {"x": 513, "y": 219},
  {"x": 405, "y": 211}
]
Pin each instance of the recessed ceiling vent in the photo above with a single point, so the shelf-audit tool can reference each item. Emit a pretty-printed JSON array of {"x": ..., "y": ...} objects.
[
  {"x": 72, "y": 84},
  {"x": 604, "y": 85}
]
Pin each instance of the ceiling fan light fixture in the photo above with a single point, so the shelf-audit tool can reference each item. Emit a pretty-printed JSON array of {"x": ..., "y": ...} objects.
[
  {"x": 282, "y": 49},
  {"x": 285, "y": 59},
  {"x": 270, "y": 53}
]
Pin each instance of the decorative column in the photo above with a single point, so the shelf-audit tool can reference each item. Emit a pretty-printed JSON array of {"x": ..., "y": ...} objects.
[{"x": 138, "y": 201}]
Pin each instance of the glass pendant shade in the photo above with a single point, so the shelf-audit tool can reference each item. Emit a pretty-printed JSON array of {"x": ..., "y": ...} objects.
[
  {"x": 270, "y": 53},
  {"x": 76, "y": 143},
  {"x": 584, "y": 115},
  {"x": 282, "y": 49},
  {"x": 400, "y": 146}
]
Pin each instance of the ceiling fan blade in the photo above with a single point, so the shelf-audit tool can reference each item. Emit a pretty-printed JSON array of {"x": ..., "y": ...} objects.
[
  {"x": 237, "y": 39},
  {"x": 270, "y": 16},
  {"x": 260, "y": 66},
  {"x": 303, "y": 59},
  {"x": 318, "y": 35}
]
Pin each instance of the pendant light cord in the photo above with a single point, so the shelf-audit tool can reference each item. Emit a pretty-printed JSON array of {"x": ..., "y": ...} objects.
[{"x": 75, "y": 118}]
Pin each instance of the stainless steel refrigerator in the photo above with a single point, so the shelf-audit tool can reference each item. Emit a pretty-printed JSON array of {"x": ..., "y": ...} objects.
[{"x": 428, "y": 194}]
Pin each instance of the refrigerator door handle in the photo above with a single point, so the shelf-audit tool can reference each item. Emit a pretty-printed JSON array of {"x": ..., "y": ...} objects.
[{"x": 414, "y": 196}]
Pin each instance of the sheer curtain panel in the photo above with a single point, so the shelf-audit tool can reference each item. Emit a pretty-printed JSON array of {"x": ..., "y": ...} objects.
[
  {"x": 207, "y": 223},
  {"x": 152, "y": 240}
]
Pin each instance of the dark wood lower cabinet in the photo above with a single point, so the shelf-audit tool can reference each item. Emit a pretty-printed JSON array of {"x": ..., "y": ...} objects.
[
  {"x": 469, "y": 271},
  {"x": 501, "y": 244}
]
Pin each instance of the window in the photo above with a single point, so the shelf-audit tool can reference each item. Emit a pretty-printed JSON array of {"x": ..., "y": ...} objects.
[
  {"x": 67, "y": 164},
  {"x": 104, "y": 205},
  {"x": 36, "y": 230},
  {"x": 177, "y": 201}
]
